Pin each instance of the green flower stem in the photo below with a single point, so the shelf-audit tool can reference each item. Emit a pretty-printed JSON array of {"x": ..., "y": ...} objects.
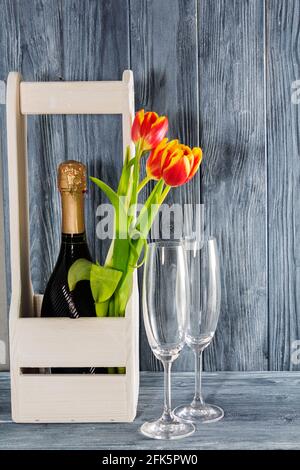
[
  {"x": 136, "y": 173},
  {"x": 145, "y": 214},
  {"x": 125, "y": 185},
  {"x": 143, "y": 183},
  {"x": 164, "y": 194},
  {"x": 122, "y": 294}
]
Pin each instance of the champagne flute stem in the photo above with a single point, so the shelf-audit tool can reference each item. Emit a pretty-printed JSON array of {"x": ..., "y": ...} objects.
[
  {"x": 198, "y": 400},
  {"x": 167, "y": 414}
]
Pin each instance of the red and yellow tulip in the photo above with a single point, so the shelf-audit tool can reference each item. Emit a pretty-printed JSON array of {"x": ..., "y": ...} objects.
[
  {"x": 148, "y": 129},
  {"x": 171, "y": 164},
  {"x": 175, "y": 163}
]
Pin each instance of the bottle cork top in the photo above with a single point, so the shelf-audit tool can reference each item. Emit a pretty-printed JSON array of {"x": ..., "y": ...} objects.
[{"x": 71, "y": 176}]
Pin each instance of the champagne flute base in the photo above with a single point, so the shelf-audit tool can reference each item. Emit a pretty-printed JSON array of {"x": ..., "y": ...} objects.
[
  {"x": 199, "y": 414},
  {"x": 159, "y": 429}
]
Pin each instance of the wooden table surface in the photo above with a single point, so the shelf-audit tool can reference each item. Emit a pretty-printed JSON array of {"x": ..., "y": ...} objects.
[{"x": 262, "y": 411}]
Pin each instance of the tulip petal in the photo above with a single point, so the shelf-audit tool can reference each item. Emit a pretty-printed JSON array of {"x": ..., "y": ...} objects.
[
  {"x": 153, "y": 169},
  {"x": 136, "y": 126},
  {"x": 153, "y": 165},
  {"x": 178, "y": 171},
  {"x": 149, "y": 119},
  {"x": 168, "y": 152},
  {"x": 157, "y": 132},
  {"x": 197, "y": 152}
]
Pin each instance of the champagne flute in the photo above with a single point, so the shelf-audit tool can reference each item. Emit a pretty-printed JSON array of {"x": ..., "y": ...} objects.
[
  {"x": 203, "y": 315},
  {"x": 165, "y": 306}
]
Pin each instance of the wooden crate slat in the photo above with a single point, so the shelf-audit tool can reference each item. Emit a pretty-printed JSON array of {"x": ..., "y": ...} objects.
[
  {"x": 65, "y": 342},
  {"x": 73, "y": 97},
  {"x": 67, "y": 398}
]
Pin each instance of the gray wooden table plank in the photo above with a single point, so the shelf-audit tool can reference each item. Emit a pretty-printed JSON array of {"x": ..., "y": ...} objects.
[
  {"x": 231, "y": 89},
  {"x": 283, "y": 139},
  {"x": 262, "y": 411}
]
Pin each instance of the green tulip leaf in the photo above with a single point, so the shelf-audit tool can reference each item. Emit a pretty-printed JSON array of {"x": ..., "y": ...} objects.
[
  {"x": 137, "y": 249},
  {"x": 79, "y": 271},
  {"x": 120, "y": 211},
  {"x": 125, "y": 185},
  {"x": 149, "y": 211},
  {"x": 101, "y": 308},
  {"x": 104, "y": 282},
  {"x": 117, "y": 256}
]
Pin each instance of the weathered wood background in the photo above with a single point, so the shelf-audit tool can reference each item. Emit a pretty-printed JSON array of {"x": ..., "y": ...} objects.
[{"x": 223, "y": 72}]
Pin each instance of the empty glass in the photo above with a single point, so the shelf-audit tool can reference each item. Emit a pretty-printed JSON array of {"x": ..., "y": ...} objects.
[
  {"x": 165, "y": 306},
  {"x": 203, "y": 315}
]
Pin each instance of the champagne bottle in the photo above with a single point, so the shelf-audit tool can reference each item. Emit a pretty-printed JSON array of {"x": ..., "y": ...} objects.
[{"x": 58, "y": 301}]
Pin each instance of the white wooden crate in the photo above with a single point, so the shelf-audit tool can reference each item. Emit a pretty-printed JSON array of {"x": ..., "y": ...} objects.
[{"x": 63, "y": 342}]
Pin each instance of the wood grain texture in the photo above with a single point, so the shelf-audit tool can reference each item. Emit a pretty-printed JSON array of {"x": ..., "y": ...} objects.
[
  {"x": 3, "y": 291},
  {"x": 283, "y": 141},
  {"x": 231, "y": 90},
  {"x": 164, "y": 63},
  {"x": 262, "y": 411}
]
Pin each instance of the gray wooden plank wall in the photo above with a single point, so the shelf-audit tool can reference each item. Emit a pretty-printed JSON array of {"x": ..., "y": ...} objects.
[
  {"x": 231, "y": 89},
  {"x": 283, "y": 144},
  {"x": 223, "y": 72}
]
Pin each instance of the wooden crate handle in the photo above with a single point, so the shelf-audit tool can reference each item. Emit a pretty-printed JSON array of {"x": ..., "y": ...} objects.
[{"x": 21, "y": 288}]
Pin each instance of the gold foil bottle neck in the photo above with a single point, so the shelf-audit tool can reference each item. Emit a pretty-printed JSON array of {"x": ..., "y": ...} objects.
[{"x": 72, "y": 177}]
